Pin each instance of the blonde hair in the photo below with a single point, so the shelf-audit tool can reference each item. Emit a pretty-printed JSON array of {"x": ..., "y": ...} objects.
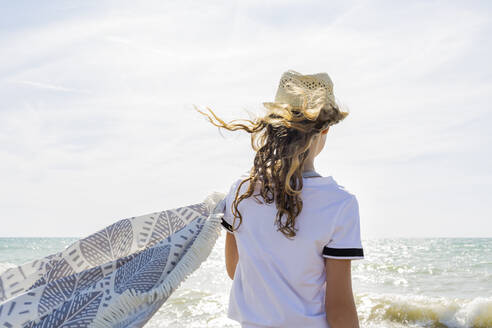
[{"x": 281, "y": 139}]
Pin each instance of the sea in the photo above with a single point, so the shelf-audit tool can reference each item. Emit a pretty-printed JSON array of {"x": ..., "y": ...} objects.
[{"x": 401, "y": 282}]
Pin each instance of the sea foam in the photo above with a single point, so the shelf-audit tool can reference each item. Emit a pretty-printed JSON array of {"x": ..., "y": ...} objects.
[{"x": 424, "y": 311}]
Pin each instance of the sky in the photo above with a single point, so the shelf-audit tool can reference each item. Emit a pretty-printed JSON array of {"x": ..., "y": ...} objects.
[{"x": 97, "y": 122}]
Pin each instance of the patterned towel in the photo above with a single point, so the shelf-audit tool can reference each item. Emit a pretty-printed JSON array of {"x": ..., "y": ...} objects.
[{"x": 117, "y": 277}]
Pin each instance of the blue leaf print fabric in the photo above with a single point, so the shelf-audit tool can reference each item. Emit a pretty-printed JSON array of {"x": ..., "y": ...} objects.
[
  {"x": 143, "y": 272},
  {"x": 117, "y": 277}
]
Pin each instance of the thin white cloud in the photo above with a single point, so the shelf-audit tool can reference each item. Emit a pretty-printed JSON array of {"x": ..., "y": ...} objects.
[
  {"x": 97, "y": 123},
  {"x": 50, "y": 86}
]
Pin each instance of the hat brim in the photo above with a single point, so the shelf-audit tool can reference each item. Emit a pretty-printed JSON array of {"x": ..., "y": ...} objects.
[{"x": 273, "y": 104}]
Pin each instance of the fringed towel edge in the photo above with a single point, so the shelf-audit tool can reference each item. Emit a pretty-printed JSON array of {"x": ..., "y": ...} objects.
[{"x": 130, "y": 300}]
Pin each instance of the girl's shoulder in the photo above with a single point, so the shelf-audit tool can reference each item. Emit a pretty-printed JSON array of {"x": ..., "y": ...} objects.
[{"x": 326, "y": 184}]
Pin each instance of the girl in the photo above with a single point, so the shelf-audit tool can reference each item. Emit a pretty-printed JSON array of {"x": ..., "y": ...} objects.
[{"x": 291, "y": 233}]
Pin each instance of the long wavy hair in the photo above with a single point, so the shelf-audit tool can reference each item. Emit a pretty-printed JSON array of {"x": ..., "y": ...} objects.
[{"x": 281, "y": 139}]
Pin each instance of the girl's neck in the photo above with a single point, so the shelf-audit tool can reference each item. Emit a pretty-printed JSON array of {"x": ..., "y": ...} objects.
[{"x": 308, "y": 167}]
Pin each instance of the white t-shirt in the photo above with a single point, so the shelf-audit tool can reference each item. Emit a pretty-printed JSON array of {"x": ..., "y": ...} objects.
[{"x": 281, "y": 282}]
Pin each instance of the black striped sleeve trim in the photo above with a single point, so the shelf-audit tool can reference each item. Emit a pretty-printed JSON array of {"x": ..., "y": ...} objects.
[
  {"x": 343, "y": 252},
  {"x": 226, "y": 225}
]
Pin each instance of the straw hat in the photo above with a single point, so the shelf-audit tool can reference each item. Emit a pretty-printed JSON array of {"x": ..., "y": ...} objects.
[{"x": 320, "y": 82}]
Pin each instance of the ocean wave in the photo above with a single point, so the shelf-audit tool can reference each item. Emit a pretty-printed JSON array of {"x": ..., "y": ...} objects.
[{"x": 424, "y": 311}]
